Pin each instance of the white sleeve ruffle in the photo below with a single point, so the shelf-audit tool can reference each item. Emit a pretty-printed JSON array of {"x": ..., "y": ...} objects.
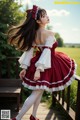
[
  {"x": 44, "y": 61},
  {"x": 24, "y": 60}
]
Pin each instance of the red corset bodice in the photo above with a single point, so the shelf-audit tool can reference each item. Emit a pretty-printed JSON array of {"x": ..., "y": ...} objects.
[{"x": 53, "y": 47}]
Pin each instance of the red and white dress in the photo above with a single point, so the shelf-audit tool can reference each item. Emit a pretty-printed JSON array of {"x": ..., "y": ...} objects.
[{"x": 57, "y": 69}]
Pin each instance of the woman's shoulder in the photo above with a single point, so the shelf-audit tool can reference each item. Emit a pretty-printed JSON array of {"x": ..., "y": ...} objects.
[{"x": 43, "y": 35}]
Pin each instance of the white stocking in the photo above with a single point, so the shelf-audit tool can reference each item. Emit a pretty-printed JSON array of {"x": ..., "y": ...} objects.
[
  {"x": 36, "y": 104},
  {"x": 28, "y": 103}
]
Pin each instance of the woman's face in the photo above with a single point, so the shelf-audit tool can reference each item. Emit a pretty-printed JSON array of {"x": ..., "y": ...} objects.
[{"x": 44, "y": 19}]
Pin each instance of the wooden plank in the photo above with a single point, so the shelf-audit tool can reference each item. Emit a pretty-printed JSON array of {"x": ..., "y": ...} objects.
[
  {"x": 10, "y": 82},
  {"x": 77, "y": 77},
  {"x": 53, "y": 99},
  {"x": 10, "y": 90},
  {"x": 9, "y": 95},
  {"x": 63, "y": 95},
  {"x": 68, "y": 98},
  {"x": 77, "y": 117},
  {"x": 0, "y": 69},
  {"x": 59, "y": 95},
  {"x": 71, "y": 113}
]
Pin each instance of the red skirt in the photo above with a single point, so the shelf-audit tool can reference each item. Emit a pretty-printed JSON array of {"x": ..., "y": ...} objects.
[{"x": 56, "y": 78}]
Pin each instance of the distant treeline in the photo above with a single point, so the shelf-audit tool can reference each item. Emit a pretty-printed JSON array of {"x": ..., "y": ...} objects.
[{"x": 72, "y": 45}]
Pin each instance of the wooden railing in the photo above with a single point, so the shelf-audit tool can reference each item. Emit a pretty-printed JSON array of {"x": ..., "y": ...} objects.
[
  {"x": 10, "y": 83},
  {"x": 59, "y": 97}
]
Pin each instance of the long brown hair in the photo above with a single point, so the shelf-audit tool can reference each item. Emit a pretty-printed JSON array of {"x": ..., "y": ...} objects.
[{"x": 23, "y": 36}]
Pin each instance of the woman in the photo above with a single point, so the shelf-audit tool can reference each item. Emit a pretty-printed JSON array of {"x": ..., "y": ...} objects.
[{"x": 45, "y": 69}]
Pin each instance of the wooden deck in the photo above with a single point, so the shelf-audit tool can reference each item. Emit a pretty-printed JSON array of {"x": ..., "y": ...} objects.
[{"x": 43, "y": 113}]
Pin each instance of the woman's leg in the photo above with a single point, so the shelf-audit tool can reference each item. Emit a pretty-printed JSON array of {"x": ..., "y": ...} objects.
[
  {"x": 36, "y": 104},
  {"x": 28, "y": 103}
]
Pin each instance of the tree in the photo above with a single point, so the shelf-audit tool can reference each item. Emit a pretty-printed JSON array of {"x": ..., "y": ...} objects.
[
  {"x": 49, "y": 27},
  {"x": 57, "y": 35},
  {"x": 10, "y": 14},
  {"x": 59, "y": 39},
  {"x": 60, "y": 42}
]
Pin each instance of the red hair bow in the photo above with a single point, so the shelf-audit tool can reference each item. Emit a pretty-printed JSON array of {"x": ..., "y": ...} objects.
[{"x": 34, "y": 11}]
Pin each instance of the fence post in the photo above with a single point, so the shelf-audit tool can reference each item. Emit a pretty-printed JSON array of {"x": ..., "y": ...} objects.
[
  {"x": 77, "y": 116},
  {"x": 68, "y": 98},
  {"x": 0, "y": 69},
  {"x": 53, "y": 98}
]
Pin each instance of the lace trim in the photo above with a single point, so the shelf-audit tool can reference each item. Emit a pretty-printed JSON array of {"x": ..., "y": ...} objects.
[{"x": 43, "y": 87}]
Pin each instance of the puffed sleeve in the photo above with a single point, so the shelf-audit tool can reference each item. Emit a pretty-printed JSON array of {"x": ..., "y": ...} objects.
[
  {"x": 44, "y": 61},
  {"x": 24, "y": 60}
]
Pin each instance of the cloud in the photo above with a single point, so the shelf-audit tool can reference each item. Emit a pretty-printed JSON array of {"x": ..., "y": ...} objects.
[
  {"x": 26, "y": 2},
  {"x": 56, "y": 12},
  {"x": 57, "y": 24},
  {"x": 23, "y": 2},
  {"x": 75, "y": 29}
]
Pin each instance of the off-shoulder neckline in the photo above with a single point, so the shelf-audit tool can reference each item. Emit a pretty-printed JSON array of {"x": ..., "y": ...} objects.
[{"x": 42, "y": 44}]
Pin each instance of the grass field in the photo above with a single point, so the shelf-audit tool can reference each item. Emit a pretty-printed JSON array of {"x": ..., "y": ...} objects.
[{"x": 74, "y": 53}]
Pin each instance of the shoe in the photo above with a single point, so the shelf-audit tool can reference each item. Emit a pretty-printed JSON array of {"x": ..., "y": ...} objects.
[
  {"x": 12, "y": 119},
  {"x": 33, "y": 118}
]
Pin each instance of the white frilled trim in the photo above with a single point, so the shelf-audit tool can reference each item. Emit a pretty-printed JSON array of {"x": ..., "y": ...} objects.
[
  {"x": 44, "y": 61},
  {"x": 44, "y": 87},
  {"x": 25, "y": 58}
]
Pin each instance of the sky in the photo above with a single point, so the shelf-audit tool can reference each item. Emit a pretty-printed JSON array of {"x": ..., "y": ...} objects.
[{"x": 64, "y": 18}]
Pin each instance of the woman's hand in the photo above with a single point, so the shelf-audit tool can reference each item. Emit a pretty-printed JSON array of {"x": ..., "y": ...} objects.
[
  {"x": 37, "y": 74},
  {"x": 22, "y": 73}
]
